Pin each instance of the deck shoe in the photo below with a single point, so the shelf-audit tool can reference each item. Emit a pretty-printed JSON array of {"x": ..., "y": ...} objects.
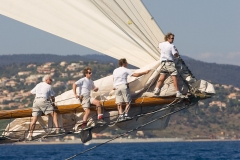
[
  {"x": 30, "y": 138},
  {"x": 84, "y": 124},
  {"x": 121, "y": 118},
  {"x": 156, "y": 91},
  {"x": 59, "y": 131},
  {"x": 101, "y": 121},
  {"x": 127, "y": 118},
  {"x": 179, "y": 94}
]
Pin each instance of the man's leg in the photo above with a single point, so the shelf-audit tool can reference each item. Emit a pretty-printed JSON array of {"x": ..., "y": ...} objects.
[
  {"x": 98, "y": 105},
  {"x": 55, "y": 119},
  {"x": 99, "y": 108},
  {"x": 85, "y": 117},
  {"x": 99, "y": 111},
  {"x": 159, "y": 83},
  {"x": 32, "y": 125},
  {"x": 126, "y": 117},
  {"x": 119, "y": 105},
  {"x": 127, "y": 108},
  {"x": 86, "y": 114},
  {"x": 120, "y": 112},
  {"x": 175, "y": 82}
]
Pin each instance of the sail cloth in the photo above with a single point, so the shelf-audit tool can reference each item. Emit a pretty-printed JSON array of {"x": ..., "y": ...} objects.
[{"x": 117, "y": 28}]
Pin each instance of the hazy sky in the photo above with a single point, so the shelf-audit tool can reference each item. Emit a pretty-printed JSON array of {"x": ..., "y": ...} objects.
[{"x": 206, "y": 30}]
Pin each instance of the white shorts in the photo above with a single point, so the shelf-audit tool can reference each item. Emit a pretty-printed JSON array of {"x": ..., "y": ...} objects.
[
  {"x": 41, "y": 105},
  {"x": 122, "y": 94},
  {"x": 168, "y": 68},
  {"x": 87, "y": 101}
]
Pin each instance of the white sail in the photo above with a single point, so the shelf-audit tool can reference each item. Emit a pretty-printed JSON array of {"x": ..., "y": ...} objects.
[{"x": 118, "y": 28}]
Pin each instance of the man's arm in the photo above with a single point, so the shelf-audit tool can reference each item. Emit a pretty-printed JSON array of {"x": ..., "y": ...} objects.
[
  {"x": 140, "y": 74},
  {"x": 53, "y": 100},
  {"x": 113, "y": 83},
  {"x": 176, "y": 55},
  {"x": 95, "y": 89},
  {"x": 74, "y": 86},
  {"x": 33, "y": 91}
]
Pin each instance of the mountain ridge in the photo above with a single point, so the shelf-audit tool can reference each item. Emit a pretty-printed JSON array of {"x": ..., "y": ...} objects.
[{"x": 216, "y": 73}]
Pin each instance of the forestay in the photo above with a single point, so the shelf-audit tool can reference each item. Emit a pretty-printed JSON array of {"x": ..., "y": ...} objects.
[{"x": 118, "y": 28}]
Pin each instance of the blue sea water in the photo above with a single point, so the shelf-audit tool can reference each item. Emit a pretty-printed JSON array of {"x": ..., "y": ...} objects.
[{"x": 224, "y": 150}]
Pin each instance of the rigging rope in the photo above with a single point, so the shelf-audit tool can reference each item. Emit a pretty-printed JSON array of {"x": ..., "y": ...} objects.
[{"x": 127, "y": 132}]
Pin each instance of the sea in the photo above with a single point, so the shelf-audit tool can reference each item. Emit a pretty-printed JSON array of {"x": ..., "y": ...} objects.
[{"x": 207, "y": 150}]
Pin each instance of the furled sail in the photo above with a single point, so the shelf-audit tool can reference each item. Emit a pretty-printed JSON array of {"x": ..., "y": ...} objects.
[{"x": 118, "y": 28}]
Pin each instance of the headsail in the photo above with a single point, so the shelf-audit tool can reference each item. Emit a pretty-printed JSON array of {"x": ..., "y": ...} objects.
[{"x": 117, "y": 28}]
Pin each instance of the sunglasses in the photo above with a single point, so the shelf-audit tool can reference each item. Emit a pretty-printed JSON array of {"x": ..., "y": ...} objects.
[{"x": 89, "y": 72}]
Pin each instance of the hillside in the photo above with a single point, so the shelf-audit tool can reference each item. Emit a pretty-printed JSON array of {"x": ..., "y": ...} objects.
[
  {"x": 217, "y": 116},
  {"x": 217, "y": 73}
]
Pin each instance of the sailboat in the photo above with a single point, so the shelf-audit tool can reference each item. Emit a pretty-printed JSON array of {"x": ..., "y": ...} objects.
[{"x": 117, "y": 28}]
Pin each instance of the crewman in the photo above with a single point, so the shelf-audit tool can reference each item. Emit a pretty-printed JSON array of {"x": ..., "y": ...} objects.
[
  {"x": 85, "y": 86},
  {"x": 121, "y": 87},
  {"x": 42, "y": 104}
]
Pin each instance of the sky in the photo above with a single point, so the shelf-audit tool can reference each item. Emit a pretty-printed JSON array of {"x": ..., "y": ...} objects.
[{"x": 206, "y": 30}]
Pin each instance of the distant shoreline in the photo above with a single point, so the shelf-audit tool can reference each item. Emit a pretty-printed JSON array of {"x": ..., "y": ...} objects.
[{"x": 123, "y": 140}]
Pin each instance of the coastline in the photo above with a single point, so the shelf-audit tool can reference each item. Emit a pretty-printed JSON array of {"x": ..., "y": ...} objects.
[{"x": 122, "y": 140}]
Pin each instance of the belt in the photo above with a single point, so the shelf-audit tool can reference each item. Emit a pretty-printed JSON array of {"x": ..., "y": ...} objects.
[
  {"x": 167, "y": 61},
  {"x": 127, "y": 84},
  {"x": 43, "y": 98}
]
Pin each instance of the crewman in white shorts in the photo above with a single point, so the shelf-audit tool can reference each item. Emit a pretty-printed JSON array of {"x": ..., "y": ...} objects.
[
  {"x": 121, "y": 87},
  {"x": 85, "y": 86},
  {"x": 43, "y": 92},
  {"x": 168, "y": 50}
]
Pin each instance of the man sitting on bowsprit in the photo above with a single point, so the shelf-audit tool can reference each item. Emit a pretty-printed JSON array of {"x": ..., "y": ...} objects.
[{"x": 168, "y": 50}]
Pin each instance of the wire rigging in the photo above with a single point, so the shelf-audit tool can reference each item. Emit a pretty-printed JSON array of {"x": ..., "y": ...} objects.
[{"x": 154, "y": 120}]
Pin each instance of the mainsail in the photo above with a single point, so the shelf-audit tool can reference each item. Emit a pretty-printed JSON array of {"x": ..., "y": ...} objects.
[{"x": 117, "y": 28}]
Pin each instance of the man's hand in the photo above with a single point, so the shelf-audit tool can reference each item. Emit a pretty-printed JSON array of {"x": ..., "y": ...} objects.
[
  {"x": 112, "y": 92},
  {"x": 76, "y": 96},
  {"x": 146, "y": 72},
  {"x": 95, "y": 89}
]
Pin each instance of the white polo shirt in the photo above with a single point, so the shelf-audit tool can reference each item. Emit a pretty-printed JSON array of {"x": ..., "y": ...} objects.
[
  {"x": 167, "y": 51},
  {"x": 120, "y": 75},
  {"x": 43, "y": 90},
  {"x": 85, "y": 86}
]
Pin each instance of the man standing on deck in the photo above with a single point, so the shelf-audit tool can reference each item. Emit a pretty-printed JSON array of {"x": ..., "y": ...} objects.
[
  {"x": 168, "y": 50},
  {"x": 43, "y": 92},
  {"x": 85, "y": 86},
  {"x": 121, "y": 87}
]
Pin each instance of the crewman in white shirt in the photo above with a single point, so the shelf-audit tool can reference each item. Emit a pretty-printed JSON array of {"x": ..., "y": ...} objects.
[
  {"x": 121, "y": 87},
  {"x": 43, "y": 92},
  {"x": 168, "y": 50},
  {"x": 85, "y": 86}
]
